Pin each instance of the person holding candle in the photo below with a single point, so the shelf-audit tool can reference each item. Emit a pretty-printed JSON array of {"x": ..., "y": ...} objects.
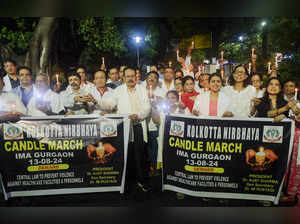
[
  {"x": 272, "y": 104},
  {"x": 11, "y": 107},
  {"x": 155, "y": 94},
  {"x": 240, "y": 92},
  {"x": 45, "y": 101},
  {"x": 77, "y": 100},
  {"x": 213, "y": 102},
  {"x": 133, "y": 99},
  {"x": 293, "y": 182}
]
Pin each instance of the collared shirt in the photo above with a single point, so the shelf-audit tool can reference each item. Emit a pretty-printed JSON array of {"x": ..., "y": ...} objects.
[
  {"x": 26, "y": 96},
  {"x": 14, "y": 83}
]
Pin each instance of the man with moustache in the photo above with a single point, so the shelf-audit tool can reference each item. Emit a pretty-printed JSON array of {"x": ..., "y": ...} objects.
[
  {"x": 77, "y": 100},
  {"x": 132, "y": 99},
  {"x": 10, "y": 80},
  {"x": 155, "y": 93},
  {"x": 45, "y": 101}
]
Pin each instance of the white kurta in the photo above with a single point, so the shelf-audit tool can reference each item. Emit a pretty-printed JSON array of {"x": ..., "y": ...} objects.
[
  {"x": 50, "y": 97},
  {"x": 121, "y": 100},
  {"x": 240, "y": 101}
]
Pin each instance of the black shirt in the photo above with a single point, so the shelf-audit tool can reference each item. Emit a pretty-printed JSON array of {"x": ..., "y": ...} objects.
[{"x": 14, "y": 83}]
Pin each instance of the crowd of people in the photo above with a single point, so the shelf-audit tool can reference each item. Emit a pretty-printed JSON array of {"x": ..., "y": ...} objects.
[{"x": 164, "y": 91}]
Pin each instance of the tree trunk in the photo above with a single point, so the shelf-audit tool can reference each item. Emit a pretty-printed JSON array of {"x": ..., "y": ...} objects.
[{"x": 39, "y": 55}]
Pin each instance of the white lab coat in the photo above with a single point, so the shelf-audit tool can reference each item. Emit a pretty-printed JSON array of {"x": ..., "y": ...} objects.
[
  {"x": 51, "y": 97},
  {"x": 202, "y": 104},
  {"x": 121, "y": 100}
]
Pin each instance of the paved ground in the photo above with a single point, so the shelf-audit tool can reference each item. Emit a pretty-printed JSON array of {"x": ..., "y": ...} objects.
[{"x": 131, "y": 198}]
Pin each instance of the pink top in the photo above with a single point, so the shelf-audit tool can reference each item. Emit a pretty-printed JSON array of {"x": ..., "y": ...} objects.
[{"x": 213, "y": 107}]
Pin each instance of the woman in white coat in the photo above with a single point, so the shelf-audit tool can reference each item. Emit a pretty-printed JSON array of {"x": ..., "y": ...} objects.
[{"x": 213, "y": 102}]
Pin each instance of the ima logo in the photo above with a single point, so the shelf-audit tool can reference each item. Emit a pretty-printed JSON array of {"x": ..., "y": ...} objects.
[
  {"x": 273, "y": 134},
  {"x": 11, "y": 132},
  {"x": 108, "y": 129},
  {"x": 177, "y": 128}
]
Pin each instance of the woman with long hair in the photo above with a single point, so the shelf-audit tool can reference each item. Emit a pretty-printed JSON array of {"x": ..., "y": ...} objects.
[{"x": 272, "y": 104}]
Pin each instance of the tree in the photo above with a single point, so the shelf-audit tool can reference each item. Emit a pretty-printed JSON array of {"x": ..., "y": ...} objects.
[{"x": 38, "y": 57}]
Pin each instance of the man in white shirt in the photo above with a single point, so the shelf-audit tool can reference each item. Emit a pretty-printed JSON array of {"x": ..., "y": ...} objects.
[
  {"x": 101, "y": 90},
  {"x": 155, "y": 93},
  {"x": 114, "y": 78},
  {"x": 11, "y": 107},
  {"x": 132, "y": 99},
  {"x": 77, "y": 100},
  {"x": 168, "y": 81},
  {"x": 10, "y": 80},
  {"x": 26, "y": 89},
  {"x": 45, "y": 101}
]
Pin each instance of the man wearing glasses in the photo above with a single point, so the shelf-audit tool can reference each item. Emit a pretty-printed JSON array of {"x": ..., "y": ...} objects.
[
  {"x": 114, "y": 78},
  {"x": 26, "y": 89}
]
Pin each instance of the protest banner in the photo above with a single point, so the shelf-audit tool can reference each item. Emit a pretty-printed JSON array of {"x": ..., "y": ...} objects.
[
  {"x": 63, "y": 155},
  {"x": 226, "y": 158}
]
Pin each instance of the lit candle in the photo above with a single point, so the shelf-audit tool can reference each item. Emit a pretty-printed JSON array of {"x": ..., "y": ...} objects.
[
  {"x": 252, "y": 54},
  {"x": 222, "y": 53},
  {"x": 177, "y": 52},
  {"x": 170, "y": 64},
  {"x": 57, "y": 80},
  {"x": 296, "y": 93},
  {"x": 269, "y": 67},
  {"x": 249, "y": 70},
  {"x": 102, "y": 60},
  {"x": 193, "y": 44}
]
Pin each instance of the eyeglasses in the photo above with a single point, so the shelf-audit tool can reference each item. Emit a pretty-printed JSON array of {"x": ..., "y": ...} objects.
[
  {"x": 240, "y": 73},
  {"x": 23, "y": 75}
]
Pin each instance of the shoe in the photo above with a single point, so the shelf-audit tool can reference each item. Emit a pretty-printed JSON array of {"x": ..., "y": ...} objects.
[
  {"x": 143, "y": 187},
  {"x": 266, "y": 203},
  {"x": 180, "y": 196}
]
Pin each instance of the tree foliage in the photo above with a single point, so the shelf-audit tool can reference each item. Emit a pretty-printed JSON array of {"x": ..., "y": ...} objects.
[{"x": 101, "y": 35}]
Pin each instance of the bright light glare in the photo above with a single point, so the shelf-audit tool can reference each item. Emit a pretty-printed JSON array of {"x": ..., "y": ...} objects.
[
  {"x": 263, "y": 23},
  {"x": 241, "y": 38},
  {"x": 137, "y": 39}
]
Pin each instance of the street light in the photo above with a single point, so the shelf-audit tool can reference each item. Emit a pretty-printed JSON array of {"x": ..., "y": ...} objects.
[
  {"x": 263, "y": 23},
  {"x": 241, "y": 38},
  {"x": 137, "y": 41}
]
